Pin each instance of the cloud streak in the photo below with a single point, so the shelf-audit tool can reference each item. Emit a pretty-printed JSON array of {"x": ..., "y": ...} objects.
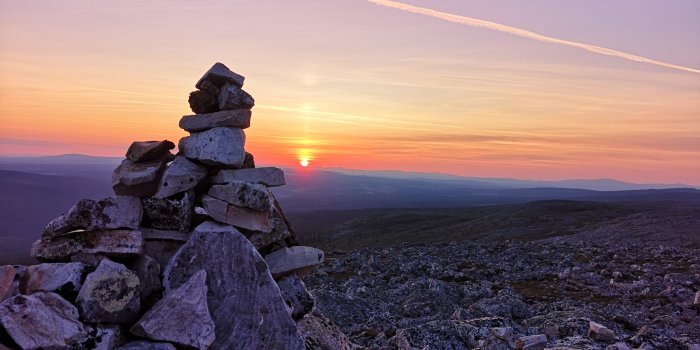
[{"x": 479, "y": 23}]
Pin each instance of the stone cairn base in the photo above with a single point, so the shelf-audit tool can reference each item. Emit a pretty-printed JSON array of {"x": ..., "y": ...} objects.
[{"x": 193, "y": 252}]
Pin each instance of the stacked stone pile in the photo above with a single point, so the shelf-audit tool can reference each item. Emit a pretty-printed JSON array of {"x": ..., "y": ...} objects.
[{"x": 194, "y": 251}]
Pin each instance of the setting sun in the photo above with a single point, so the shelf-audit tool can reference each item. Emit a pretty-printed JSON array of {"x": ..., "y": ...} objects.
[{"x": 304, "y": 162}]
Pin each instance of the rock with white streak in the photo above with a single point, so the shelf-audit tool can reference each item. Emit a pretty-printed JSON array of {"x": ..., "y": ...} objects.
[
  {"x": 110, "y": 294},
  {"x": 181, "y": 317},
  {"x": 238, "y": 118},
  {"x": 114, "y": 243},
  {"x": 41, "y": 321},
  {"x": 216, "y": 147},
  {"x": 174, "y": 213},
  {"x": 233, "y": 97},
  {"x": 599, "y": 332},
  {"x": 240, "y": 217},
  {"x": 146, "y": 345},
  {"x": 244, "y": 301},
  {"x": 108, "y": 213},
  {"x": 7, "y": 278},
  {"x": 267, "y": 176},
  {"x": 243, "y": 194},
  {"x": 182, "y": 175},
  {"x": 219, "y": 74},
  {"x": 298, "y": 259},
  {"x": 61, "y": 278},
  {"x": 139, "y": 179},
  {"x": 142, "y": 151},
  {"x": 297, "y": 297}
]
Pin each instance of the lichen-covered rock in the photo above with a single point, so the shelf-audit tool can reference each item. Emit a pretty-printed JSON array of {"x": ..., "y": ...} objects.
[
  {"x": 110, "y": 294},
  {"x": 218, "y": 75},
  {"x": 239, "y": 118},
  {"x": 114, "y": 243},
  {"x": 298, "y": 259},
  {"x": 294, "y": 293},
  {"x": 61, "y": 278},
  {"x": 180, "y": 176},
  {"x": 237, "y": 216},
  {"x": 243, "y": 194},
  {"x": 173, "y": 213},
  {"x": 216, "y": 147},
  {"x": 181, "y": 317},
  {"x": 244, "y": 301},
  {"x": 233, "y": 97},
  {"x": 108, "y": 213},
  {"x": 139, "y": 179},
  {"x": 142, "y": 151},
  {"x": 42, "y": 320},
  {"x": 268, "y": 176}
]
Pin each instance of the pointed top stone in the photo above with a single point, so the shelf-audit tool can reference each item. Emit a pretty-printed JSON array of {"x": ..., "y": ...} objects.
[{"x": 219, "y": 75}]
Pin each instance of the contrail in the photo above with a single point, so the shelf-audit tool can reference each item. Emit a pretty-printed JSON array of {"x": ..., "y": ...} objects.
[{"x": 474, "y": 22}]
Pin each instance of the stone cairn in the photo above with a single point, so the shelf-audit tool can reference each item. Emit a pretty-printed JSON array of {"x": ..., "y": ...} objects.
[{"x": 194, "y": 250}]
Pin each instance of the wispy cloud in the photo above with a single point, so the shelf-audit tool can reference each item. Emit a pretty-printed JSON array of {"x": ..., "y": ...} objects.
[{"x": 479, "y": 23}]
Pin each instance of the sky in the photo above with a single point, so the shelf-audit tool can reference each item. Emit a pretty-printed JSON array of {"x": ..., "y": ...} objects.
[{"x": 420, "y": 85}]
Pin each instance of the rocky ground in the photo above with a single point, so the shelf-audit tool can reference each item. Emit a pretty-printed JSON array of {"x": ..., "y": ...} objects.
[{"x": 554, "y": 293}]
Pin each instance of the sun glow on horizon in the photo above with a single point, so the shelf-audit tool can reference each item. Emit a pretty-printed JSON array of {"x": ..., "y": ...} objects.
[{"x": 304, "y": 162}]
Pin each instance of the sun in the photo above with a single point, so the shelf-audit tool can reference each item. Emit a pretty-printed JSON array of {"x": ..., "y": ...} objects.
[{"x": 304, "y": 162}]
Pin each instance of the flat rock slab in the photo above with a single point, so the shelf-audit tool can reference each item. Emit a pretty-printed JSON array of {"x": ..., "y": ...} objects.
[
  {"x": 87, "y": 214},
  {"x": 244, "y": 301},
  {"x": 219, "y": 74},
  {"x": 169, "y": 213},
  {"x": 141, "y": 151},
  {"x": 233, "y": 97},
  {"x": 239, "y": 118},
  {"x": 217, "y": 147},
  {"x": 267, "y": 176},
  {"x": 243, "y": 194},
  {"x": 146, "y": 345},
  {"x": 297, "y": 297},
  {"x": 61, "y": 278},
  {"x": 110, "y": 294},
  {"x": 298, "y": 259},
  {"x": 115, "y": 243},
  {"x": 233, "y": 215},
  {"x": 41, "y": 321},
  {"x": 181, "y": 317},
  {"x": 182, "y": 175},
  {"x": 150, "y": 234},
  {"x": 139, "y": 179},
  {"x": 280, "y": 231},
  {"x": 7, "y": 278}
]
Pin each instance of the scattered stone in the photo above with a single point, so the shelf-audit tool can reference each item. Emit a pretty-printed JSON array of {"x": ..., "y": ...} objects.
[
  {"x": 114, "y": 243},
  {"x": 173, "y": 213},
  {"x": 146, "y": 345},
  {"x": 233, "y": 97},
  {"x": 599, "y": 332},
  {"x": 218, "y": 75},
  {"x": 296, "y": 259},
  {"x": 294, "y": 293},
  {"x": 244, "y": 301},
  {"x": 204, "y": 100},
  {"x": 531, "y": 342},
  {"x": 268, "y": 176},
  {"x": 110, "y": 294},
  {"x": 618, "y": 346},
  {"x": 41, "y": 321},
  {"x": 7, "y": 277},
  {"x": 321, "y": 334},
  {"x": 142, "y": 151},
  {"x": 239, "y": 118},
  {"x": 217, "y": 147},
  {"x": 182, "y": 175},
  {"x": 138, "y": 179},
  {"x": 442, "y": 334},
  {"x": 109, "y": 213},
  {"x": 181, "y": 317},
  {"x": 150, "y": 234},
  {"x": 240, "y": 217},
  {"x": 62, "y": 278},
  {"x": 243, "y": 194},
  {"x": 148, "y": 271}
]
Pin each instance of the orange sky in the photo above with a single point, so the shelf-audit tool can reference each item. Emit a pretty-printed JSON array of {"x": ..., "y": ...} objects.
[{"x": 355, "y": 85}]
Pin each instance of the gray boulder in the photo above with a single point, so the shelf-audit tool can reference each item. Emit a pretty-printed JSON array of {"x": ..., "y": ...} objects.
[
  {"x": 41, "y": 321},
  {"x": 146, "y": 345},
  {"x": 7, "y": 277},
  {"x": 142, "y": 151},
  {"x": 110, "y": 294},
  {"x": 173, "y": 213},
  {"x": 233, "y": 97},
  {"x": 217, "y": 147},
  {"x": 268, "y": 176},
  {"x": 218, "y": 75},
  {"x": 239, "y": 118},
  {"x": 61, "y": 278},
  {"x": 243, "y": 194},
  {"x": 240, "y": 217},
  {"x": 298, "y": 259},
  {"x": 87, "y": 214},
  {"x": 115, "y": 243},
  {"x": 181, "y": 317},
  {"x": 182, "y": 175},
  {"x": 139, "y": 179},
  {"x": 294, "y": 293},
  {"x": 244, "y": 301},
  {"x": 204, "y": 100}
]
